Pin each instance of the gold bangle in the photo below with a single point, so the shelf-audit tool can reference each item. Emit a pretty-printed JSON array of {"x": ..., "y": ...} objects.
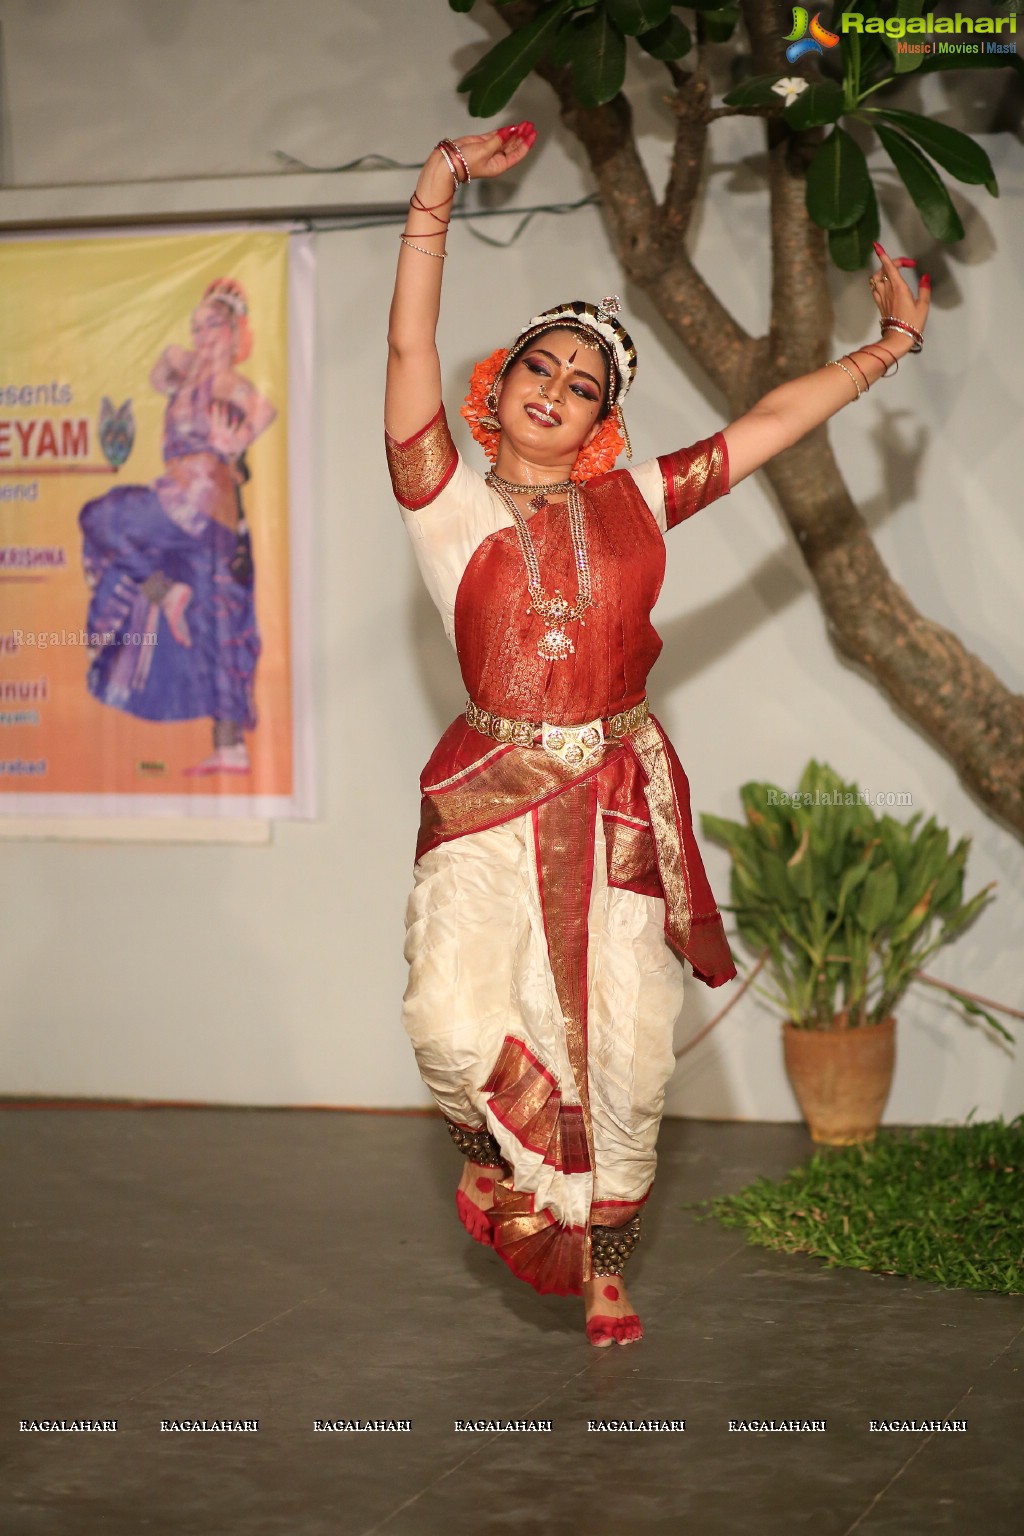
[
  {"x": 441, "y": 255},
  {"x": 835, "y": 363}
]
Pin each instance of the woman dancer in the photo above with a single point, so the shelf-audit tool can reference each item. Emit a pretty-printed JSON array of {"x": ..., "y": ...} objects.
[
  {"x": 556, "y": 866},
  {"x": 179, "y": 549}
]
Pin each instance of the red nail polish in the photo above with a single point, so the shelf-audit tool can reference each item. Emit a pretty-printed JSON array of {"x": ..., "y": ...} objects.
[
  {"x": 876, "y": 245},
  {"x": 926, "y": 281}
]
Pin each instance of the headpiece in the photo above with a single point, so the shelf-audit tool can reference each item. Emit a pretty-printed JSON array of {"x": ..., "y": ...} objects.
[
  {"x": 229, "y": 292},
  {"x": 596, "y": 325}
]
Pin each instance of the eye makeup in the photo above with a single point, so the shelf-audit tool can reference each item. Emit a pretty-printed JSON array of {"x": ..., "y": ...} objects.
[{"x": 535, "y": 366}]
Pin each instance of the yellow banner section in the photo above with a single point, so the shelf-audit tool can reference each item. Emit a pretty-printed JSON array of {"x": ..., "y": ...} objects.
[{"x": 144, "y": 518}]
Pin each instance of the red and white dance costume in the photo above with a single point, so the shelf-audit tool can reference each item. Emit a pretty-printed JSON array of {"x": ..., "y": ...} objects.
[{"x": 542, "y": 993}]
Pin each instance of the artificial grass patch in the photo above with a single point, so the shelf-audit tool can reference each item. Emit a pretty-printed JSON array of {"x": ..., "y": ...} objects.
[{"x": 939, "y": 1203}]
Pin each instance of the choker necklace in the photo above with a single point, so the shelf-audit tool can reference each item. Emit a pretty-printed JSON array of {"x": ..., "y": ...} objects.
[
  {"x": 538, "y": 501},
  {"x": 554, "y": 644}
]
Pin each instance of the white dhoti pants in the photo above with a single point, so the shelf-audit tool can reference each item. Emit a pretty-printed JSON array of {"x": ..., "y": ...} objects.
[{"x": 480, "y": 974}]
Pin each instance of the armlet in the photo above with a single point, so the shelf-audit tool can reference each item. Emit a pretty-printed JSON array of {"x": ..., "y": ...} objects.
[
  {"x": 694, "y": 477},
  {"x": 421, "y": 466}
]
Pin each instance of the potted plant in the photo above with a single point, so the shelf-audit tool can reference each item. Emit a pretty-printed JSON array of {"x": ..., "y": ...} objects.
[{"x": 844, "y": 907}]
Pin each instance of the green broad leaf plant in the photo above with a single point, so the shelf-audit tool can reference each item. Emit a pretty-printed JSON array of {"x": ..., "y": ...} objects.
[
  {"x": 848, "y": 904},
  {"x": 592, "y": 39}
]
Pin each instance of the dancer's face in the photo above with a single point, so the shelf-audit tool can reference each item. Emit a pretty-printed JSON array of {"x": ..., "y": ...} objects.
[
  {"x": 213, "y": 335},
  {"x": 549, "y": 402}
]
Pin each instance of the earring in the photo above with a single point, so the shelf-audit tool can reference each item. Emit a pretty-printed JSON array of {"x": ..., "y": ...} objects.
[
  {"x": 622, "y": 428},
  {"x": 490, "y": 421}
]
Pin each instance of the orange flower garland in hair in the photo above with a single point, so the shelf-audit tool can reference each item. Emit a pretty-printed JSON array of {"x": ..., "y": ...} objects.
[{"x": 597, "y": 459}]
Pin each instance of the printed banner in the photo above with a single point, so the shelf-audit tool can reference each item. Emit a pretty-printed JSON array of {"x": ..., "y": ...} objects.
[{"x": 154, "y": 400}]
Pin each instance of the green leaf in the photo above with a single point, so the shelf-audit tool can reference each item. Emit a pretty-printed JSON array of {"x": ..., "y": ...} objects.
[
  {"x": 494, "y": 79},
  {"x": 598, "y": 60},
  {"x": 669, "y": 41},
  {"x": 969, "y": 1006},
  {"x": 877, "y": 899},
  {"x": 462, "y": 5},
  {"x": 956, "y": 152},
  {"x": 755, "y": 92},
  {"x": 722, "y": 830},
  {"x": 838, "y": 184},
  {"x": 636, "y": 16},
  {"x": 924, "y": 184},
  {"x": 958, "y": 921},
  {"x": 854, "y": 876},
  {"x": 904, "y": 63},
  {"x": 822, "y": 102},
  {"x": 720, "y": 23}
]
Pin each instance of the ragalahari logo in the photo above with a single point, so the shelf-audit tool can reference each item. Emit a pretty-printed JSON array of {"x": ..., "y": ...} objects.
[{"x": 799, "y": 42}]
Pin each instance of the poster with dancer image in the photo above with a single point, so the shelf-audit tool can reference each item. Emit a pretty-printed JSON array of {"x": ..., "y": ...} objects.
[{"x": 154, "y": 408}]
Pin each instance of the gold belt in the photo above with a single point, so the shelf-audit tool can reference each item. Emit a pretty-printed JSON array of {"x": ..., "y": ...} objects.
[{"x": 574, "y": 745}]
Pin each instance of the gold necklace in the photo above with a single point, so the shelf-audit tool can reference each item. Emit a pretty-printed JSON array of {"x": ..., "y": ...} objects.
[
  {"x": 554, "y": 644},
  {"x": 538, "y": 501}
]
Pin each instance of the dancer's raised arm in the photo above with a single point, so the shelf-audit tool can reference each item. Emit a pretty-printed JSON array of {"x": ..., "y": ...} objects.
[
  {"x": 414, "y": 373},
  {"x": 786, "y": 414}
]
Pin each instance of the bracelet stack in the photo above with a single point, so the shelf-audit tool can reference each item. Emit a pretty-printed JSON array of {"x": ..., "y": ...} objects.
[
  {"x": 873, "y": 351},
  {"x": 894, "y": 323},
  {"x": 450, "y": 153}
]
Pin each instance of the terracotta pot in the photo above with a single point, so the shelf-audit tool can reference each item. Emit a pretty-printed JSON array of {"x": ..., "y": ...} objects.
[{"x": 841, "y": 1078}]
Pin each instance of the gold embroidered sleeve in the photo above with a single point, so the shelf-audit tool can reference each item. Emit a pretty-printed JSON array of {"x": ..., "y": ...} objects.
[
  {"x": 421, "y": 466},
  {"x": 694, "y": 477}
]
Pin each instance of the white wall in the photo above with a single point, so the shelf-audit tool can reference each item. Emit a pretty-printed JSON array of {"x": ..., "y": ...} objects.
[{"x": 274, "y": 975}]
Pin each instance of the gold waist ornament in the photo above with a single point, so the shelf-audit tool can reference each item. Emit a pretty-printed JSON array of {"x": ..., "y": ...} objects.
[{"x": 574, "y": 745}]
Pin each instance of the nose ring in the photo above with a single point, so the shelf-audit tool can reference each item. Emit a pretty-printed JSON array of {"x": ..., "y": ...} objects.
[{"x": 542, "y": 390}]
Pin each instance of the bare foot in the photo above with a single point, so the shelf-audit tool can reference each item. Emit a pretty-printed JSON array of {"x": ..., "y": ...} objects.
[
  {"x": 474, "y": 1199},
  {"x": 610, "y": 1315},
  {"x": 222, "y": 760}
]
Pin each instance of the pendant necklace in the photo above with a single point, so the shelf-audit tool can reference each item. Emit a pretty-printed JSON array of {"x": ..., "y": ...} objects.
[{"x": 554, "y": 644}]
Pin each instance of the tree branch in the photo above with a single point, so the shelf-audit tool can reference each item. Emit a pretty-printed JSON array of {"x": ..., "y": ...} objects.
[
  {"x": 945, "y": 690},
  {"x": 690, "y": 105},
  {"x": 801, "y": 309}
]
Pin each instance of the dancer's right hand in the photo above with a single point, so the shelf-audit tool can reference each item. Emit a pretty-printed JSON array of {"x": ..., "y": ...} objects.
[{"x": 492, "y": 154}]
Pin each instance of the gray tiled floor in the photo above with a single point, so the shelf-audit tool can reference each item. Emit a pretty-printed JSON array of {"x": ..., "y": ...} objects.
[{"x": 285, "y": 1266}]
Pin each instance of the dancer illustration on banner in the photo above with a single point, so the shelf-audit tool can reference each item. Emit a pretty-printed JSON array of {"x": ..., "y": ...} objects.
[{"x": 173, "y": 559}]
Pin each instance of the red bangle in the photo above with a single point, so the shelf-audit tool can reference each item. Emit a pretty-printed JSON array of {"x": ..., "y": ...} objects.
[
  {"x": 858, "y": 367},
  {"x": 885, "y": 366},
  {"x": 430, "y": 234},
  {"x": 429, "y": 207},
  {"x": 420, "y": 206}
]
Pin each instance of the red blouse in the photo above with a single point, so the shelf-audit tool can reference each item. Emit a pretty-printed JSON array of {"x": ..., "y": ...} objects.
[{"x": 469, "y": 782}]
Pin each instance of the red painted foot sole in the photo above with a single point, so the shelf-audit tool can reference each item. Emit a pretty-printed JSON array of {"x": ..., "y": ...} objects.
[
  {"x": 475, "y": 1221},
  {"x": 618, "y": 1330}
]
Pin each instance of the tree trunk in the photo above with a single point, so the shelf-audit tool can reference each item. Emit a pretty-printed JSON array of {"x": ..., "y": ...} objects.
[{"x": 949, "y": 694}]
